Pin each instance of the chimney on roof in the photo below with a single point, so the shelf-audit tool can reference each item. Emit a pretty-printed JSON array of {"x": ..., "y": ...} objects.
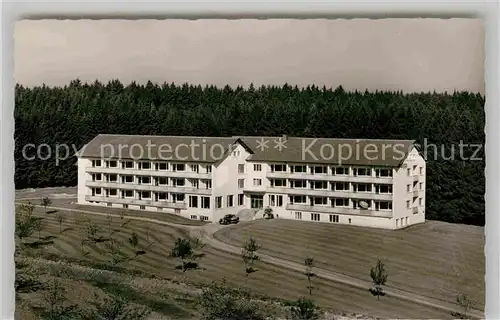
[{"x": 284, "y": 137}]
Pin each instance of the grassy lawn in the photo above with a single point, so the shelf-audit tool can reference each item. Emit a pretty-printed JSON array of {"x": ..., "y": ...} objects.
[
  {"x": 435, "y": 259},
  {"x": 268, "y": 280}
]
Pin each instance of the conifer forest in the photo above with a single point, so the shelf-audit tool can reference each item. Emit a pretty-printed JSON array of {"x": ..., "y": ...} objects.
[{"x": 74, "y": 114}]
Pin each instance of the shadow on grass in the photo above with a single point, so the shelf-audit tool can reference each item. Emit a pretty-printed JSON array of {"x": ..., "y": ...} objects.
[
  {"x": 155, "y": 304},
  {"x": 51, "y": 211},
  {"x": 189, "y": 266},
  {"x": 38, "y": 244}
]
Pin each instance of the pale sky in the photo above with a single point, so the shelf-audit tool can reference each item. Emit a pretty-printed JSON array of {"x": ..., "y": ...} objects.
[{"x": 396, "y": 54}]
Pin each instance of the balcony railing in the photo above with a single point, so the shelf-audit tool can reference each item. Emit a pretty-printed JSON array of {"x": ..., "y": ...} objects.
[
  {"x": 331, "y": 193},
  {"x": 328, "y": 177},
  {"x": 148, "y": 187},
  {"x": 339, "y": 210},
  {"x": 151, "y": 203},
  {"x": 155, "y": 173}
]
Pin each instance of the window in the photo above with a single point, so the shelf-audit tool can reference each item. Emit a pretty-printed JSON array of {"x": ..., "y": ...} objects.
[
  {"x": 408, "y": 172},
  {"x": 298, "y": 199},
  {"x": 127, "y": 164},
  {"x": 204, "y": 218},
  {"x": 162, "y": 181},
  {"x": 205, "y": 202},
  {"x": 341, "y": 202},
  {"x": 178, "y": 182},
  {"x": 145, "y": 195},
  {"x": 229, "y": 201},
  {"x": 299, "y": 184},
  {"x": 112, "y": 177},
  {"x": 195, "y": 183},
  {"x": 96, "y": 163},
  {"x": 362, "y": 172},
  {"x": 421, "y": 186},
  {"x": 142, "y": 207},
  {"x": 299, "y": 169},
  {"x": 209, "y": 169},
  {"x": 241, "y": 183},
  {"x": 257, "y": 167},
  {"x": 408, "y": 203},
  {"x": 408, "y": 188},
  {"x": 127, "y": 194},
  {"x": 272, "y": 200},
  {"x": 127, "y": 179},
  {"x": 241, "y": 199},
  {"x": 109, "y": 204},
  {"x": 334, "y": 218},
  {"x": 278, "y": 168},
  {"x": 341, "y": 171},
  {"x": 298, "y": 215},
  {"x": 383, "y": 205},
  {"x": 194, "y": 217},
  {"x": 241, "y": 168},
  {"x": 384, "y": 188},
  {"x": 161, "y": 196},
  {"x": 406, "y": 221},
  {"x": 178, "y": 197},
  {"x": 278, "y": 183},
  {"x": 315, "y": 216},
  {"x": 179, "y": 167},
  {"x": 97, "y": 191},
  {"x": 320, "y": 200},
  {"x": 257, "y": 182},
  {"x": 421, "y": 170},
  {"x": 341, "y": 186},
  {"x": 125, "y": 206},
  {"x": 96, "y": 177},
  {"x": 321, "y": 185},
  {"x": 112, "y": 164},
  {"x": 162, "y": 166},
  {"x": 383, "y": 172},
  {"x": 320, "y": 169},
  {"x": 145, "y": 180},
  {"x": 193, "y": 201},
  {"x": 195, "y": 168},
  {"x": 420, "y": 201},
  {"x": 362, "y": 187},
  {"x": 113, "y": 192},
  {"x": 397, "y": 223},
  {"x": 145, "y": 165},
  {"x": 279, "y": 201},
  {"x": 218, "y": 202}
]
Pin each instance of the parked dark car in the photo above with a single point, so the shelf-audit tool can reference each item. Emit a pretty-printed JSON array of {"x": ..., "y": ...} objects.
[{"x": 229, "y": 219}]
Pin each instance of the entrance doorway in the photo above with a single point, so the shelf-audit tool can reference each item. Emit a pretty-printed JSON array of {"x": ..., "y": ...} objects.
[{"x": 256, "y": 202}]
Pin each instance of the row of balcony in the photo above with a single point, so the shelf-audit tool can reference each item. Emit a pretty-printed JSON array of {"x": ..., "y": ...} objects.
[
  {"x": 146, "y": 187},
  {"x": 130, "y": 201},
  {"x": 156, "y": 173},
  {"x": 326, "y": 177},
  {"x": 321, "y": 193},
  {"x": 339, "y": 210}
]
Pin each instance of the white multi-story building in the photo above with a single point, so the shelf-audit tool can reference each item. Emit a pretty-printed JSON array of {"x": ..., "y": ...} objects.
[{"x": 372, "y": 183}]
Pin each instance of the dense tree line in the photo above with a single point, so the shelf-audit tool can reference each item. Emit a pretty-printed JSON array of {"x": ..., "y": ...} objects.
[{"x": 74, "y": 114}]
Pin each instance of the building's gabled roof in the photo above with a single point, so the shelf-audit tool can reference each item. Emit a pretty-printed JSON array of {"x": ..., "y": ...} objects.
[
  {"x": 168, "y": 148},
  {"x": 362, "y": 152}
]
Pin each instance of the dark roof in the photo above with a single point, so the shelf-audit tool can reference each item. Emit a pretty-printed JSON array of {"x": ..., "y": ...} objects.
[
  {"x": 363, "y": 152},
  {"x": 169, "y": 148},
  {"x": 369, "y": 152}
]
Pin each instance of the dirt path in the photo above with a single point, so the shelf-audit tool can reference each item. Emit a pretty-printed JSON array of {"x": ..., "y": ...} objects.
[{"x": 206, "y": 232}]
